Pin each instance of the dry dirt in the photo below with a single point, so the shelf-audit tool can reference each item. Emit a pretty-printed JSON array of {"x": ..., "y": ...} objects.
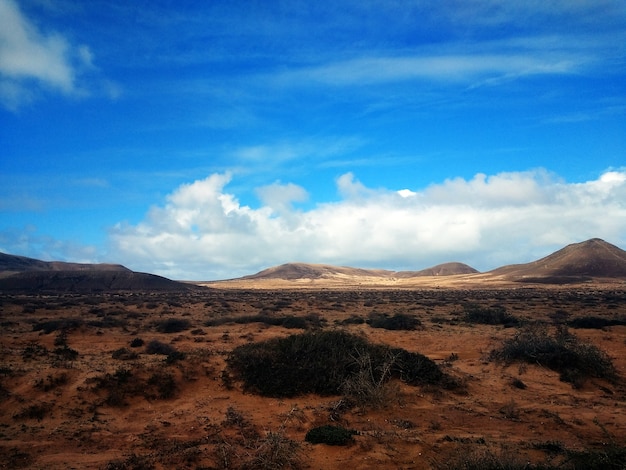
[{"x": 61, "y": 405}]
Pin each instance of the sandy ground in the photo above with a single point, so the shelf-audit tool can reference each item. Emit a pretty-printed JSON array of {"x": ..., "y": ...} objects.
[{"x": 58, "y": 411}]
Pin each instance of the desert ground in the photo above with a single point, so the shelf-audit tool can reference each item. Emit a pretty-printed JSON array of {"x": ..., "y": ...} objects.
[{"x": 141, "y": 380}]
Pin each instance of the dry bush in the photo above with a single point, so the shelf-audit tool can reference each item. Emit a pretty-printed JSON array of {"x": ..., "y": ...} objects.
[
  {"x": 321, "y": 362},
  {"x": 562, "y": 352}
]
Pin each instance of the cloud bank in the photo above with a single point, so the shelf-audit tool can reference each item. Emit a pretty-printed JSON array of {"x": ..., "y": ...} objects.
[{"x": 202, "y": 232}]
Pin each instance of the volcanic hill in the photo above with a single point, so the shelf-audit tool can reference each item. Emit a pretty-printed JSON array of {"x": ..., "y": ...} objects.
[
  {"x": 594, "y": 258},
  {"x": 22, "y": 274}
]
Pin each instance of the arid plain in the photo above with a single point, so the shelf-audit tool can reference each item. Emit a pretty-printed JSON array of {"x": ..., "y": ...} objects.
[{"x": 145, "y": 378}]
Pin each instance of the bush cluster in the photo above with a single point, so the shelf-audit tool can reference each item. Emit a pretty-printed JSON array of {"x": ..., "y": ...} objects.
[
  {"x": 399, "y": 321},
  {"x": 595, "y": 322},
  {"x": 124, "y": 383},
  {"x": 173, "y": 325},
  {"x": 562, "y": 352},
  {"x": 288, "y": 321},
  {"x": 496, "y": 315},
  {"x": 321, "y": 362},
  {"x": 331, "y": 435}
]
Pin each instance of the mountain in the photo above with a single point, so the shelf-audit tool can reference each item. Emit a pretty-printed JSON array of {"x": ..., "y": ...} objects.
[
  {"x": 10, "y": 264},
  {"x": 593, "y": 258},
  {"x": 296, "y": 271},
  {"x": 293, "y": 271},
  {"x": 445, "y": 269},
  {"x": 22, "y": 274}
]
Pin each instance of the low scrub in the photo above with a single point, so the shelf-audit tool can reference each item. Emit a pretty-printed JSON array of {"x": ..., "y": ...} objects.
[
  {"x": 62, "y": 324},
  {"x": 595, "y": 322},
  {"x": 399, "y": 321},
  {"x": 562, "y": 352},
  {"x": 330, "y": 435},
  {"x": 288, "y": 321},
  {"x": 125, "y": 383},
  {"x": 322, "y": 362},
  {"x": 496, "y": 315},
  {"x": 173, "y": 325}
]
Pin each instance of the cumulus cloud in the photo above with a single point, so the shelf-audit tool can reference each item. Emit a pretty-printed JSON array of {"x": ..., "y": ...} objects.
[
  {"x": 203, "y": 232},
  {"x": 29, "y": 56}
]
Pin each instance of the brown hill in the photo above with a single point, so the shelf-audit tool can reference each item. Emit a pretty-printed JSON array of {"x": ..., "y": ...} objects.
[
  {"x": 298, "y": 271},
  {"x": 22, "y": 274},
  {"x": 294, "y": 271},
  {"x": 593, "y": 258},
  {"x": 445, "y": 269},
  {"x": 10, "y": 264}
]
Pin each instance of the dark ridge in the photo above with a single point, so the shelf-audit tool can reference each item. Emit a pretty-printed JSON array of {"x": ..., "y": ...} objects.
[{"x": 89, "y": 281}]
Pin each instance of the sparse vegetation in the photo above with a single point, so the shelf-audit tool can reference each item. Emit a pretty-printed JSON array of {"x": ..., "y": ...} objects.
[
  {"x": 496, "y": 315},
  {"x": 322, "y": 362},
  {"x": 330, "y": 435},
  {"x": 158, "y": 347},
  {"x": 173, "y": 325},
  {"x": 52, "y": 398},
  {"x": 286, "y": 321},
  {"x": 398, "y": 321},
  {"x": 562, "y": 352}
]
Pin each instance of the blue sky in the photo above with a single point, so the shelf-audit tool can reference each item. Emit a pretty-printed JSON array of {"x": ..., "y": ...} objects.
[{"x": 214, "y": 139}]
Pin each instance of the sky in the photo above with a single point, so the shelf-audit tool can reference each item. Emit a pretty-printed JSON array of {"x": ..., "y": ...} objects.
[{"x": 210, "y": 140}]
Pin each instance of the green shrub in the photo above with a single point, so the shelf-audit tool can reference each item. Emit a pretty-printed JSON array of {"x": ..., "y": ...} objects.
[
  {"x": 124, "y": 354},
  {"x": 62, "y": 324},
  {"x": 157, "y": 347},
  {"x": 496, "y": 315},
  {"x": 321, "y": 362},
  {"x": 399, "y": 321},
  {"x": 136, "y": 343},
  {"x": 173, "y": 325},
  {"x": 594, "y": 322},
  {"x": 561, "y": 352},
  {"x": 288, "y": 321},
  {"x": 330, "y": 435}
]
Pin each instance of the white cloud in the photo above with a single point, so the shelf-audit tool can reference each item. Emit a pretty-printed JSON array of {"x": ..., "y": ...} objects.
[
  {"x": 28, "y": 56},
  {"x": 202, "y": 232},
  {"x": 472, "y": 68}
]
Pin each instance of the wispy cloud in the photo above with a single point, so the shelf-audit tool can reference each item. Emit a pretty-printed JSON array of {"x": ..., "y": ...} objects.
[
  {"x": 456, "y": 68},
  {"x": 30, "y": 57},
  {"x": 204, "y": 232}
]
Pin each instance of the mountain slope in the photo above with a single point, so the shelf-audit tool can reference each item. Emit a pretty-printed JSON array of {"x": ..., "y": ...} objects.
[
  {"x": 592, "y": 258},
  {"x": 10, "y": 264},
  {"x": 445, "y": 269},
  {"x": 22, "y": 274},
  {"x": 297, "y": 271}
]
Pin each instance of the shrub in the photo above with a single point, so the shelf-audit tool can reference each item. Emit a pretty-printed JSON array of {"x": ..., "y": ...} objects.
[
  {"x": 321, "y": 362},
  {"x": 594, "y": 322},
  {"x": 173, "y": 325},
  {"x": 288, "y": 321},
  {"x": 330, "y": 435},
  {"x": 36, "y": 411},
  {"x": 164, "y": 383},
  {"x": 63, "y": 324},
  {"x": 136, "y": 343},
  {"x": 66, "y": 353},
  {"x": 275, "y": 451},
  {"x": 124, "y": 354},
  {"x": 400, "y": 321},
  {"x": 496, "y": 315},
  {"x": 157, "y": 347},
  {"x": 51, "y": 382},
  {"x": 562, "y": 352}
]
